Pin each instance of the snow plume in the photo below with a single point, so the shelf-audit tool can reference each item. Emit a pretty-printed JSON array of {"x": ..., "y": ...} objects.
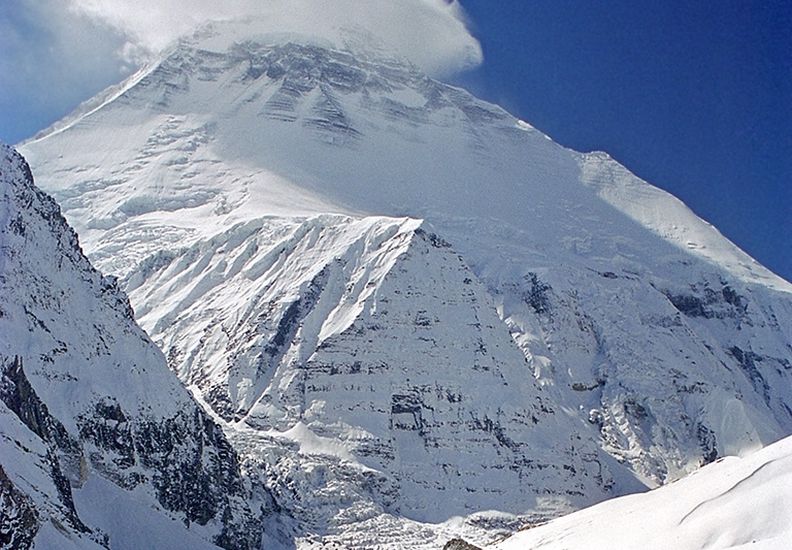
[{"x": 430, "y": 33}]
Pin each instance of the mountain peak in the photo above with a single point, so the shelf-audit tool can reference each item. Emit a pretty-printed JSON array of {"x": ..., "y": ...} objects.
[
  {"x": 14, "y": 169},
  {"x": 222, "y": 36},
  {"x": 261, "y": 200}
]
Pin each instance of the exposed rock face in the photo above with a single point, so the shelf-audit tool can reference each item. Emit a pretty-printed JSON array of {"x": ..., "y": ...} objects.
[
  {"x": 64, "y": 453},
  {"x": 382, "y": 340},
  {"x": 19, "y": 521},
  {"x": 87, "y": 394},
  {"x": 459, "y": 544}
]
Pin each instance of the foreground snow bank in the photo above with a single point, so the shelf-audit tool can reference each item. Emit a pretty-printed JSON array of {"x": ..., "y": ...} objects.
[{"x": 733, "y": 503}]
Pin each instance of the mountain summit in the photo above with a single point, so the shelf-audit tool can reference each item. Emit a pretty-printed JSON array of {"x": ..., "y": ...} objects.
[{"x": 440, "y": 310}]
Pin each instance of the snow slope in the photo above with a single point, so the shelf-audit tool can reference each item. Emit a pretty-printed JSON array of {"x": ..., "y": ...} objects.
[
  {"x": 87, "y": 404},
  {"x": 733, "y": 503},
  {"x": 330, "y": 243}
]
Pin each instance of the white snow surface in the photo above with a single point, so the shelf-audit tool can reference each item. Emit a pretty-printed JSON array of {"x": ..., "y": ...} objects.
[
  {"x": 385, "y": 138},
  {"x": 430, "y": 299},
  {"x": 132, "y": 520},
  {"x": 53, "y": 319},
  {"x": 733, "y": 503},
  {"x": 95, "y": 431}
]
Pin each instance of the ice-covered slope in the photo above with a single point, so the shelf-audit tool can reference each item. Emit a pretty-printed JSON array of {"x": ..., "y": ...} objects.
[
  {"x": 335, "y": 245},
  {"x": 734, "y": 503},
  {"x": 356, "y": 132},
  {"x": 99, "y": 443},
  {"x": 373, "y": 333}
]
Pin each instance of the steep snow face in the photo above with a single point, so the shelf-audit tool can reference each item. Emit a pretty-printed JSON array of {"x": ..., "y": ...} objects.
[
  {"x": 735, "y": 503},
  {"x": 86, "y": 398},
  {"x": 372, "y": 334},
  {"x": 211, "y": 125},
  {"x": 260, "y": 202}
]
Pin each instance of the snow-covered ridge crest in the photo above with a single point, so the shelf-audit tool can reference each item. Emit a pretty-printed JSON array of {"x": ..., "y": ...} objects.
[
  {"x": 337, "y": 94},
  {"x": 88, "y": 409},
  {"x": 734, "y": 503},
  {"x": 671, "y": 219}
]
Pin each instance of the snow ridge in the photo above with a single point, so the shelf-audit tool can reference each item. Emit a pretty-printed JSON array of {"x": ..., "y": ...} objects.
[
  {"x": 705, "y": 510},
  {"x": 86, "y": 399}
]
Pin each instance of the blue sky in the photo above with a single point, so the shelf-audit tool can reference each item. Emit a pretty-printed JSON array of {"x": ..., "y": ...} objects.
[{"x": 695, "y": 97}]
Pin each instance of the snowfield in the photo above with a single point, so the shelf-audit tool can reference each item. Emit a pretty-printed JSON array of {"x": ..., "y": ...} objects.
[{"x": 734, "y": 503}]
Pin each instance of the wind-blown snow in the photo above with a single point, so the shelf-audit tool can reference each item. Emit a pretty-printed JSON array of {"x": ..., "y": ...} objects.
[
  {"x": 206, "y": 107},
  {"x": 430, "y": 33}
]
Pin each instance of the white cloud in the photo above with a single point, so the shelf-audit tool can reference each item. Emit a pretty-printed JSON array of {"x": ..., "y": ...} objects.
[
  {"x": 57, "y": 53},
  {"x": 51, "y": 60},
  {"x": 430, "y": 33}
]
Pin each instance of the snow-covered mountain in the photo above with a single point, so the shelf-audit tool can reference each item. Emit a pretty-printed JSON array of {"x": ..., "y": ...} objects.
[
  {"x": 734, "y": 503},
  {"x": 426, "y": 297},
  {"x": 99, "y": 442}
]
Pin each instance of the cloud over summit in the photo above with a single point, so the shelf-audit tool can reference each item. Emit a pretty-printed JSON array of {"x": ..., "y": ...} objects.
[
  {"x": 57, "y": 53},
  {"x": 430, "y": 33}
]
